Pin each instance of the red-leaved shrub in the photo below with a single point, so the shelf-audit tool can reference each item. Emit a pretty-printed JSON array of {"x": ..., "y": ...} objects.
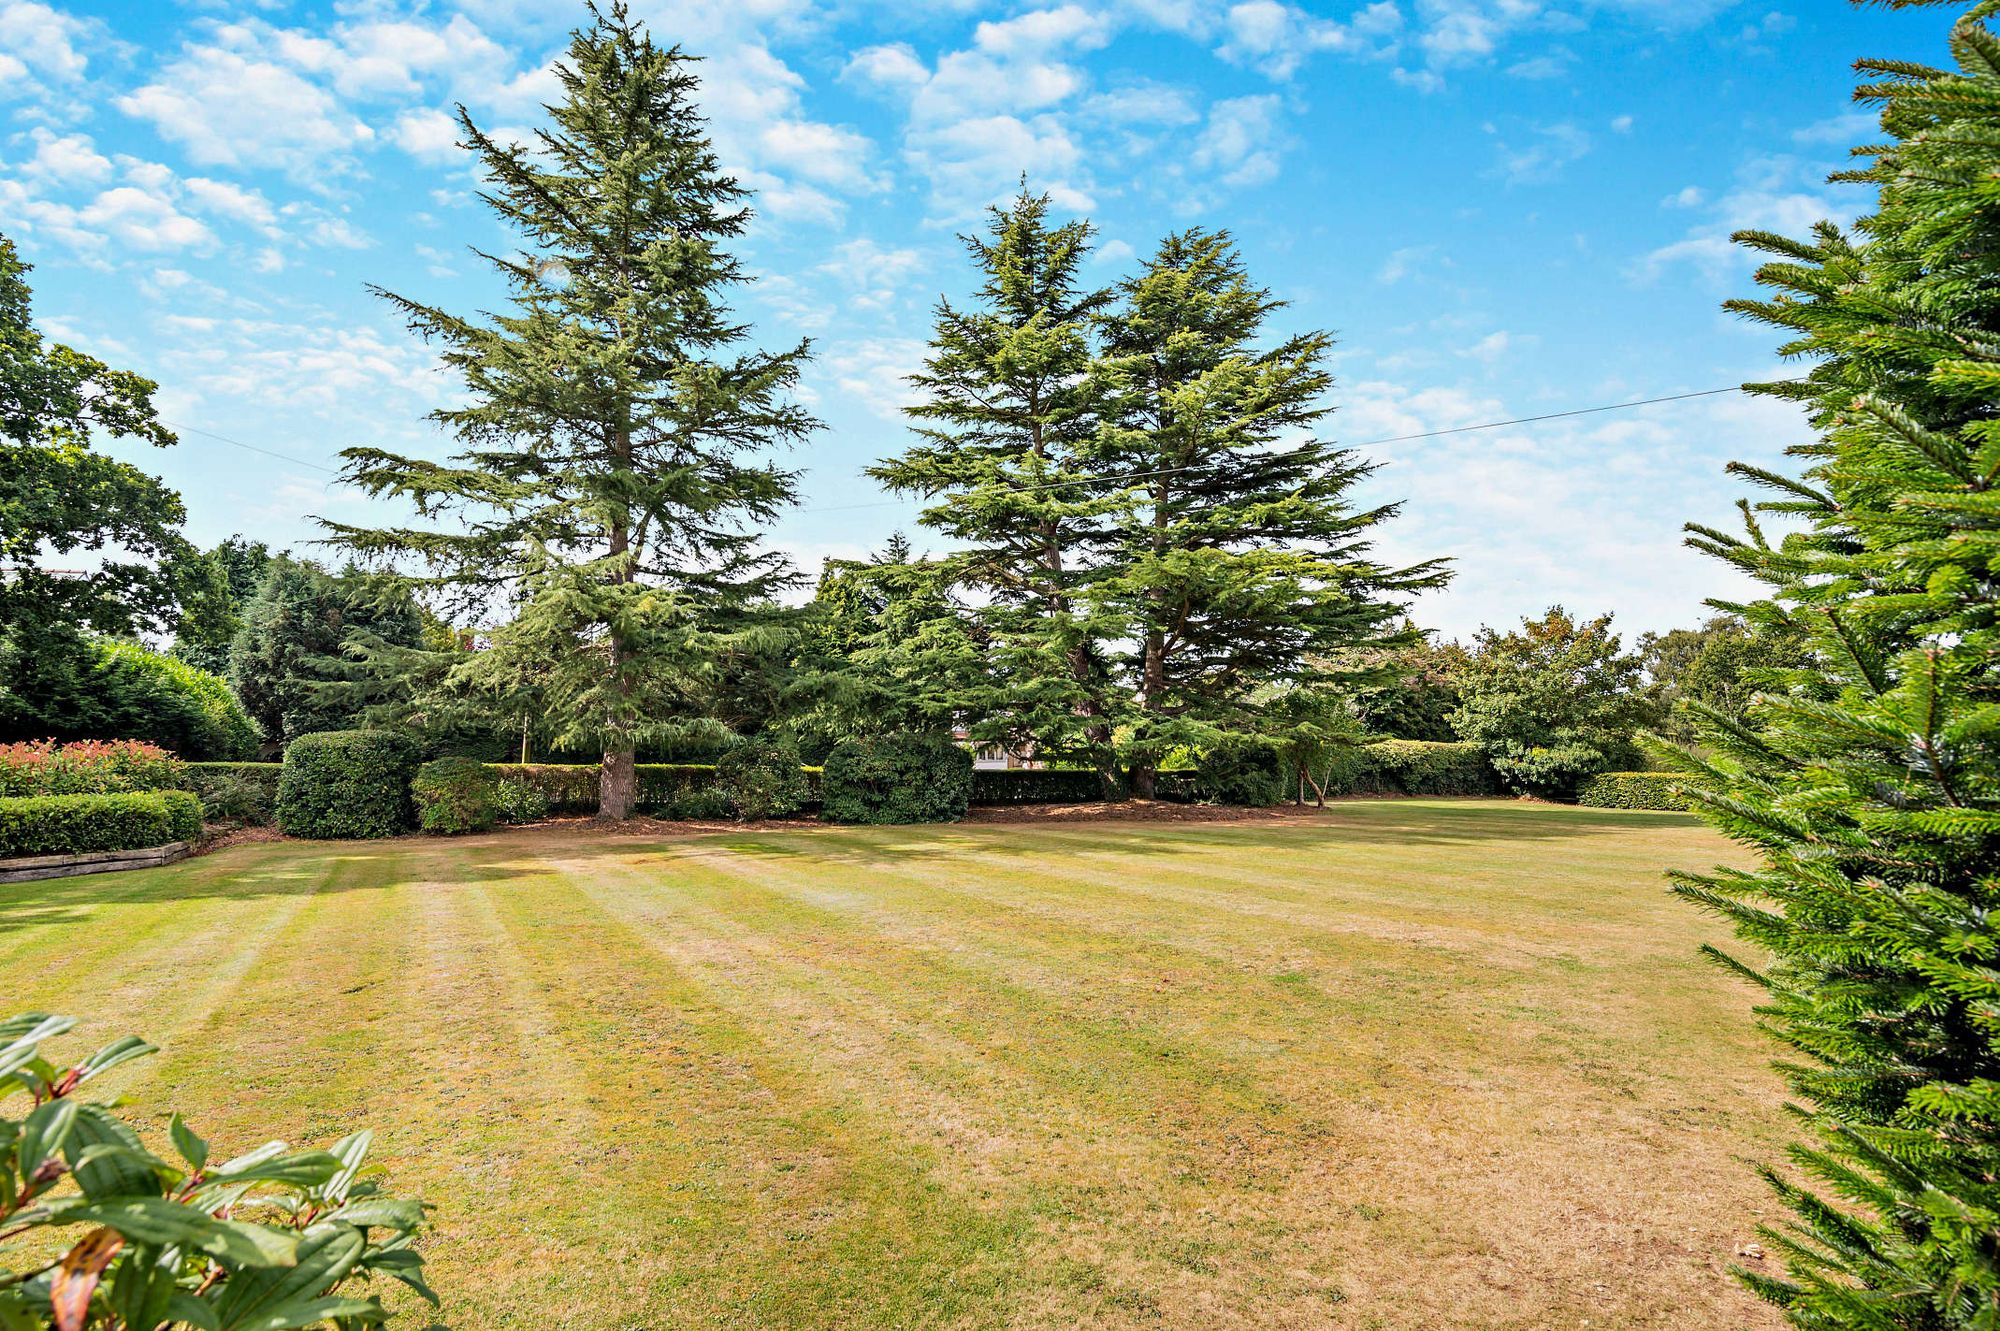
[{"x": 86, "y": 767}]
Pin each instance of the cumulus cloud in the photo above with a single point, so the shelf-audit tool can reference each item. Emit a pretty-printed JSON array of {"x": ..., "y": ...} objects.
[
  {"x": 1242, "y": 140},
  {"x": 226, "y": 108},
  {"x": 1277, "y": 38},
  {"x": 40, "y": 47},
  {"x": 1539, "y": 154}
]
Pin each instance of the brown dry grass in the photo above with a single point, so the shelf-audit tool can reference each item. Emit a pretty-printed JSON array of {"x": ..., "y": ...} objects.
[{"x": 1399, "y": 1064}]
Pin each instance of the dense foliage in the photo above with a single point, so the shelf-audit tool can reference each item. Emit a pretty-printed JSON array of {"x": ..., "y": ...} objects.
[
  {"x": 103, "y": 688},
  {"x": 1869, "y": 785},
  {"x": 1424, "y": 767},
  {"x": 613, "y": 477},
  {"x": 896, "y": 778},
  {"x": 1634, "y": 790},
  {"x": 1552, "y": 703},
  {"x": 60, "y": 498},
  {"x": 108, "y": 1236},
  {"x": 762, "y": 778},
  {"x": 1719, "y": 666},
  {"x": 344, "y": 784},
  {"x": 86, "y": 767},
  {"x": 76, "y": 824},
  {"x": 1048, "y": 785},
  {"x": 299, "y": 657},
  {"x": 453, "y": 795}
]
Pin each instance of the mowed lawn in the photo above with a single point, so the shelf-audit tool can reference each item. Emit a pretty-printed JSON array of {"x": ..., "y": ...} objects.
[{"x": 1402, "y": 1064}]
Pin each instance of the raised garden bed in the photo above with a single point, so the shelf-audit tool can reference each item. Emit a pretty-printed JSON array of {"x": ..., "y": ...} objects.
[{"x": 28, "y": 868}]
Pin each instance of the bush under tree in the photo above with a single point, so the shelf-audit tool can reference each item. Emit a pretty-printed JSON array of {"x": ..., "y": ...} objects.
[
  {"x": 1869, "y": 786},
  {"x": 346, "y": 784},
  {"x": 762, "y": 778},
  {"x": 901, "y": 778},
  {"x": 455, "y": 795}
]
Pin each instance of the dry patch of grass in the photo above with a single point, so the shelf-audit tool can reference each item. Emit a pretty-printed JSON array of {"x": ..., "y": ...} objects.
[{"x": 1401, "y": 1064}]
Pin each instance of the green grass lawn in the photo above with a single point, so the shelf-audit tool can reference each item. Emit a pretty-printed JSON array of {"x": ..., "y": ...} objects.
[{"x": 1403, "y": 1064}]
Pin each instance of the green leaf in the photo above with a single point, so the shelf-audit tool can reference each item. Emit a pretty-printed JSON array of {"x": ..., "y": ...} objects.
[
  {"x": 303, "y": 1169},
  {"x": 310, "y": 1312},
  {"x": 385, "y": 1212},
  {"x": 144, "y": 1219},
  {"x": 192, "y": 1148},
  {"x": 265, "y": 1300},
  {"x": 44, "y": 1133},
  {"x": 185, "y": 1307},
  {"x": 118, "y": 1051}
]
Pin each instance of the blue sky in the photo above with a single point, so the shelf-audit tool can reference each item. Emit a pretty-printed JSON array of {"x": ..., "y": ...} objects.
[{"x": 1502, "y": 208}]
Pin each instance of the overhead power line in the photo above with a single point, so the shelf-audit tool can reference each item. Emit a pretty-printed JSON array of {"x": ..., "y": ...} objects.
[{"x": 1135, "y": 476}]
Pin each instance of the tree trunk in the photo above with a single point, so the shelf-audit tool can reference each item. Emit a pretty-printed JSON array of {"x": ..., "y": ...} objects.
[
  {"x": 617, "y": 786},
  {"x": 1145, "y": 778}
]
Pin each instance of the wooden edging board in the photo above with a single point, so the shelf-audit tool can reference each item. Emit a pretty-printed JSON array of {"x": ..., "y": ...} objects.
[{"x": 33, "y": 867}]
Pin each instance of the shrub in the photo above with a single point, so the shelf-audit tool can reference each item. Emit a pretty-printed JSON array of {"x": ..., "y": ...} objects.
[
  {"x": 762, "y": 778},
  {"x": 1634, "y": 790},
  {"x": 1246, "y": 771},
  {"x": 79, "y": 824},
  {"x": 274, "y": 1238},
  {"x": 242, "y": 793},
  {"x": 346, "y": 784},
  {"x": 455, "y": 795},
  {"x": 1422, "y": 767},
  {"x": 1024, "y": 785},
  {"x": 899, "y": 778},
  {"x": 518, "y": 801},
  {"x": 86, "y": 767},
  {"x": 170, "y": 702},
  {"x": 701, "y": 803}
]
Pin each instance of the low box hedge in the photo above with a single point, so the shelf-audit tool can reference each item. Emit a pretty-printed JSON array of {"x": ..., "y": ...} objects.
[
  {"x": 1634, "y": 790},
  {"x": 343, "y": 785},
  {"x": 1024, "y": 785},
  {"x": 80, "y": 824},
  {"x": 1427, "y": 767}
]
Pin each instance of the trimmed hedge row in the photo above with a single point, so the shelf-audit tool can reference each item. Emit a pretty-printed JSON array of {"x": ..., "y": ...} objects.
[
  {"x": 1424, "y": 767},
  {"x": 342, "y": 785},
  {"x": 688, "y": 790},
  {"x": 1634, "y": 790},
  {"x": 1024, "y": 785},
  {"x": 79, "y": 824}
]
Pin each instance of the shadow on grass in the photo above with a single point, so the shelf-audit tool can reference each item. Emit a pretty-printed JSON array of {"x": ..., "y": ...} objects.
[{"x": 291, "y": 868}]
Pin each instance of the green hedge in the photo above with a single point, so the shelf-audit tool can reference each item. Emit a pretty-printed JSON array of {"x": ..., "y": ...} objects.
[
  {"x": 346, "y": 785},
  {"x": 1023, "y": 785},
  {"x": 78, "y": 824},
  {"x": 1633, "y": 790},
  {"x": 685, "y": 790},
  {"x": 1426, "y": 767},
  {"x": 454, "y": 795},
  {"x": 897, "y": 779}
]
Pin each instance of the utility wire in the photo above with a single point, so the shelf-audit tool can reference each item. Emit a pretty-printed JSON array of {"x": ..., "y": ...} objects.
[{"x": 1135, "y": 476}]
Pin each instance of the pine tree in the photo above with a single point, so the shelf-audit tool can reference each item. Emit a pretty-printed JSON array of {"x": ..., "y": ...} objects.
[
  {"x": 613, "y": 483},
  {"x": 1244, "y": 564},
  {"x": 1869, "y": 782},
  {"x": 1008, "y": 427}
]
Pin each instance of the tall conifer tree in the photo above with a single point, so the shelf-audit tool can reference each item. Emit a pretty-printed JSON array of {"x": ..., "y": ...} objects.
[
  {"x": 1008, "y": 426},
  {"x": 615, "y": 479},
  {"x": 1868, "y": 784},
  {"x": 1243, "y": 565}
]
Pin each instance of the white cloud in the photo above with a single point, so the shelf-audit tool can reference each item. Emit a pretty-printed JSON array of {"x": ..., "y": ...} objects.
[
  {"x": 1489, "y": 348},
  {"x": 427, "y": 134},
  {"x": 1242, "y": 140},
  {"x": 1544, "y": 154},
  {"x": 232, "y": 201},
  {"x": 39, "y": 46},
  {"x": 66, "y": 159},
  {"x": 142, "y": 220},
  {"x": 1403, "y": 262},
  {"x": 1689, "y": 196},
  {"x": 1277, "y": 38},
  {"x": 228, "y": 109}
]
